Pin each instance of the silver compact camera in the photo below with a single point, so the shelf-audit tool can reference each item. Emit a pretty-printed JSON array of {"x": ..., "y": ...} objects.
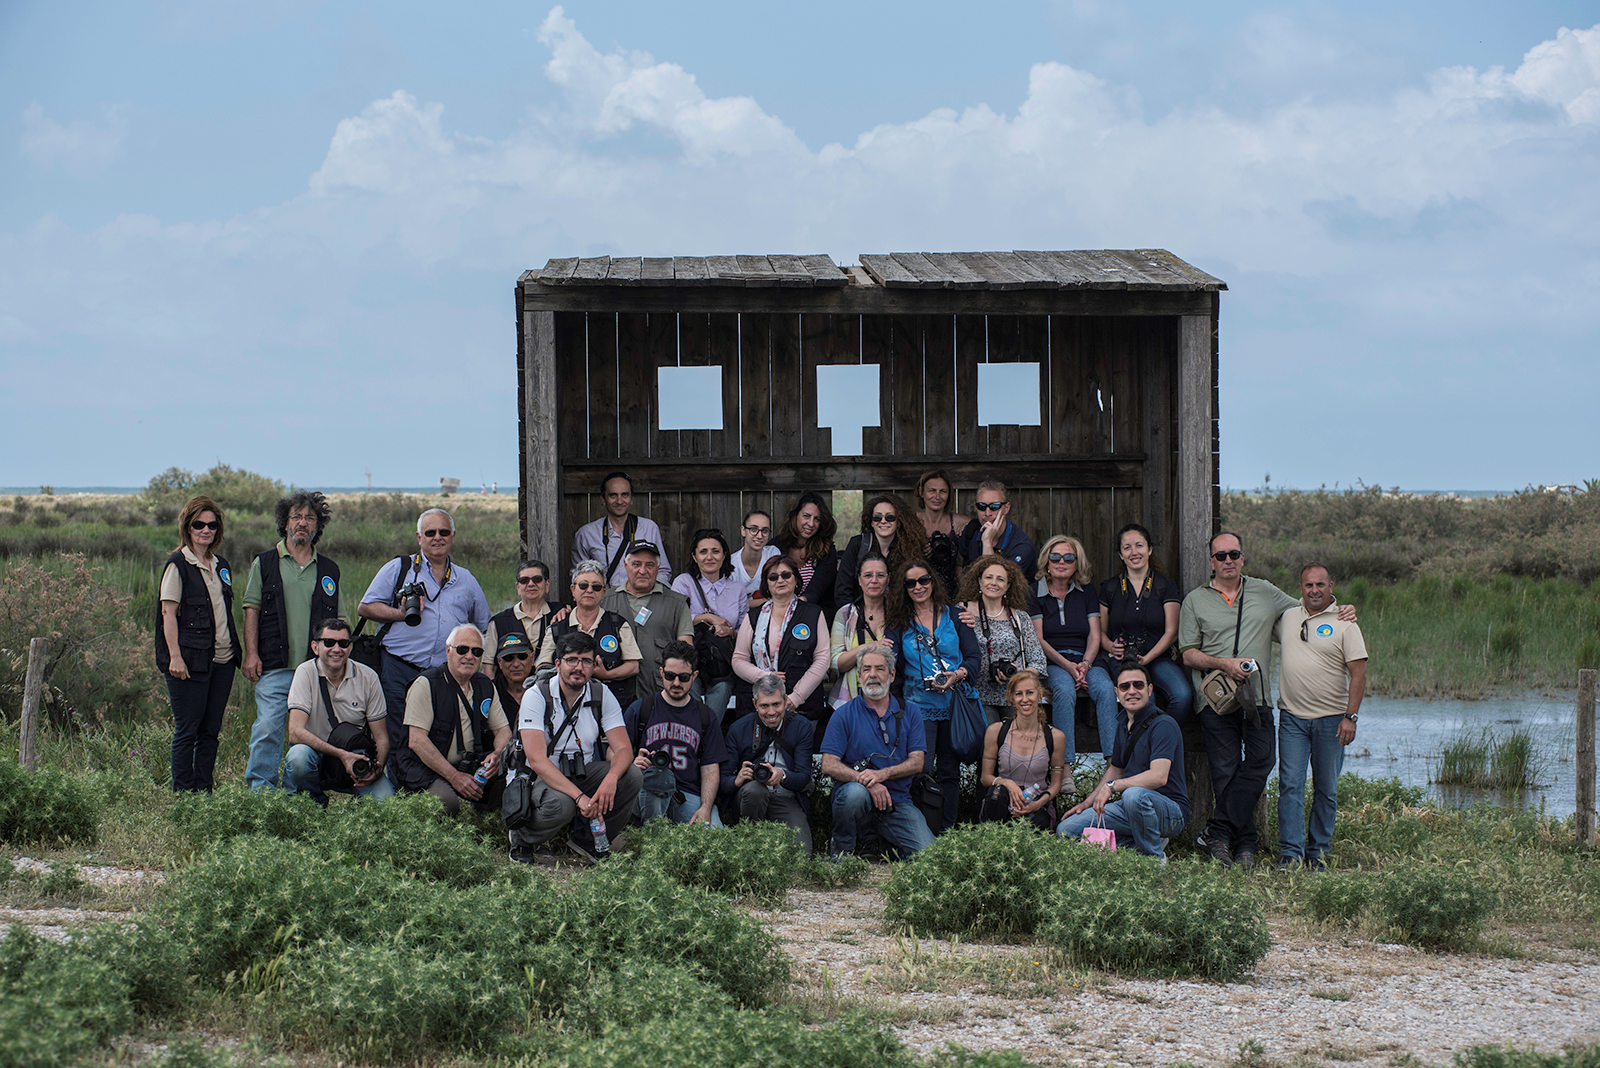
[
  {"x": 1248, "y": 666},
  {"x": 937, "y": 680}
]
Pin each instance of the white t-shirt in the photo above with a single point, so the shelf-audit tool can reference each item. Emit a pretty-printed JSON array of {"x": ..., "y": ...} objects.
[
  {"x": 582, "y": 738},
  {"x": 751, "y": 582}
]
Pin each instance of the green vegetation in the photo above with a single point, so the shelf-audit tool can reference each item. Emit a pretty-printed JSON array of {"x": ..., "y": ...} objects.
[
  {"x": 1435, "y": 908},
  {"x": 749, "y": 859},
  {"x": 1507, "y": 761},
  {"x": 44, "y": 805}
]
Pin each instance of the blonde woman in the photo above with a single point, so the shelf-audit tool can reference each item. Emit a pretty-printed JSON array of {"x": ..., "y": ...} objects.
[
  {"x": 1024, "y": 762},
  {"x": 1066, "y": 617}
]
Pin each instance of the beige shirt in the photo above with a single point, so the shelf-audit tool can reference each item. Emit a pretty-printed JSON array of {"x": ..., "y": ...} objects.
[
  {"x": 1315, "y": 683},
  {"x": 491, "y": 637},
  {"x": 419, "y": 713},
  {"x": 357, "y": 698},
  {"x": 172, "y": 590},
  {"x": 547, "y": 650}
]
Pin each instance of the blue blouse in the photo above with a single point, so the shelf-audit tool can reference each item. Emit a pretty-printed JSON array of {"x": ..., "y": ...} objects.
[{"x": 954, "y": 646}]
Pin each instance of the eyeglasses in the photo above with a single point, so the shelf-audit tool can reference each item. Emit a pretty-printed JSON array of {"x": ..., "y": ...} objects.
[
  {"x": 674, "y": 676},
  {"x": 922, "y": 580},
  {"x": 885, "y": 517},
  {"x": 530, "y": 580},
  {"x": 440, "y": 532},
  {"x": 468, "y": 650},
  {"x": 514, "y": 656},
  {"x": 578, "y": 661},
  {"x": 1133, "y": 684},
  {"x": 1227, "y": 554},
  {"x": 302, "y": 519},
  {"x": 343, "y": 643},
  {"x": 761, "y": 531},
  {"x": 780, "y": 576},
  {"x": 992, "y": 506},
  {"x": 202, "y": 524},
  {"x": 588, "y": 586},
  {"x": 1063, "y": 558}
]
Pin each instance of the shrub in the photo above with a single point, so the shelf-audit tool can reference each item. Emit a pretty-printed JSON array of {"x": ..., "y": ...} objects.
[
  {"x": 734, "y": 1039},
  {"x": 1390, "y": 793},
  {"x": 755, "y": 858},
  {"x": 45, "y": 805},
  {"x": 1434, "y": 908},
  {"x": 57, "y": 1002},
  {"x": 845, "y": 873},
  {"x": 61, "y": 880},
  {"x": 978, "y": 879},
  {"x": 206, "y": 820},
  {"x": 1508, "y": 1056},
  {"x": 232, "y": 489},
  {"x": 1337, "y": 897},
  {"x": 411, "y": 832},
  {"x": 152, "y": 963}
]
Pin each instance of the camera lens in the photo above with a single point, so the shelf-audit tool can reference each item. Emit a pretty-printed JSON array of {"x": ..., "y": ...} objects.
[
  {"x": 661, "y": 759},
  {"x": 361, "y": 766},
  {"x": 762, "y": 773}
]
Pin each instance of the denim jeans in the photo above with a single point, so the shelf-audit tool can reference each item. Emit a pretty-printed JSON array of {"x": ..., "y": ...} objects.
[
  {"x": 1301, "y": 742},
  {"x": 396, "y": 677},
  {"x": 717, "y": 697},
  {"x": 1064, "y": 709},
  {"x": 1106, "y": 710},
  {"x": 1141, "y": 816},
  {"x": 652, "y": 805},
  {"x": 266, "y": 736},
  {"x": 198, "y": 703},
  {"x": 900, "y": 826},
  {"x": 1174, "y": 694},
  {"x": 1240, "y": 756},
  {"x": 302, "y": 774}
]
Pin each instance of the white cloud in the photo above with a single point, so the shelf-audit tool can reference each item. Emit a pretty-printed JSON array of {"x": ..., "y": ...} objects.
[{"x": 80, "y": 148}]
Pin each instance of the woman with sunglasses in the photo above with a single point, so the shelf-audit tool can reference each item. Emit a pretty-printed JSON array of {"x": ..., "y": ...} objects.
[
  {"x": 936, "y": 652},
  {"x": 196, "y": 646},
  {"x": 942, "y": 525},
  {"x": 784, "y": 636},
  {"x": 886, "y": 529},
  {"x": 718, "y": 602},
  {"x": 994, "y": 598},
  {"x": 757, "y": 550},
  {"x": 862, "y": 623},
  {"x": 806, "y": 538},
  {"x": 617, "y": 656},
  {"x": 1066, "y": 617},
  {"x": 1024, "y": 758},
  {"x": 1139, "y": 616},
  {"x": 531, "y": 616}
]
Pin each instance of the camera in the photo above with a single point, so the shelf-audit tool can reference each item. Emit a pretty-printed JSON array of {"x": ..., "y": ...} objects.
[
  {"x": 937, "y": 681},
  {"x": 863, "y": 765},
  {"x": 469, "y": 762},
  {"x": 1247, "y": 666},
  {"x": 761, "y": 772},
  {"x": 411, "y": 596},
  {"x": 1003, "y": 670},
  {"x": 361, "y": 767},
  {"x": 660, "y": 758}
]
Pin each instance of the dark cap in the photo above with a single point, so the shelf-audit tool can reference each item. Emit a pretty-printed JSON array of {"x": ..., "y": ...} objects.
[
  {"x": 514, "y": 641},
  {"x": 644, "y": 547}
]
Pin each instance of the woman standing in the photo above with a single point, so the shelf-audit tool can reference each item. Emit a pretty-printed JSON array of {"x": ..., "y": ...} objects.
[
  {"x": 861, "y": 623},
  {"x": 1139, "y": 613},
  {"x": 807, "y": 540},
  {"x": 886, "y": 529},
  {"x": 995, "y": 598},
  {"x": 1066, "y": 617},
  {"x": 784, "y": 636},
  {"x": 717, "y": 600},
  {"x": 196, "y": 646},
  {"x": 935, "y": 653},
  {"x": 942, "y": 525},
  {"x": 757, "y": 550},
  {"x": 1023, "y": 766},
  {"x": 530, "y": 616}
]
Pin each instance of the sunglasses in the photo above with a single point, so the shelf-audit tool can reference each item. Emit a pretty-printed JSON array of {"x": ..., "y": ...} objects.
[
  {"x": 468, "y": 650},
  {"x": 343, "y": 643},
  {"x": 441, "y": 532},
  {"x": 913, "y": 583},
  {"x": 781, "y": 576},
  {"x": 1135, "y": 685},
  {"x": 674, "y": 676},
  {"x": 1227, "y": 554},
  {"x": 588, "y": 586},
  {"x": 1063, "y": 558},
  {"x": 578, "y": 661},
  {"x": 514, "y": 656},
  {"x": 530, "y": 580},
  {"x": 992, "y": 506},
  {"x": 201, "y": 524},
  {"x": 885, "y": 517}
]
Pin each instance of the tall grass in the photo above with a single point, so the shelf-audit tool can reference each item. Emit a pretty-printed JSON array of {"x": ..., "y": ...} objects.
[{"x": 1487, "y": 761}]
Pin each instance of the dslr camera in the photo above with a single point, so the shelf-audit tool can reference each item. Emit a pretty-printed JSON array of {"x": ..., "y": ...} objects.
[
  {"x": 468, "y": 763},
  {"x": 938, "y": 680},
  {"x": 361, "y": 767},
  {"x": 660, "y": 758},
  {"x": 1003, "y": 669},
  {"x": 411, "y": 596},
  {"x": 761, "y": 772}
]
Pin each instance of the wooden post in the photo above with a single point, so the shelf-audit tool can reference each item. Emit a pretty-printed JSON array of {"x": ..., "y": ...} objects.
[
  {"x": 541, "y": 492},
  {"x": 38, "y": 648},
  {"x": 1192, "y": 546},
  {"x": 1586, "y": 810}
]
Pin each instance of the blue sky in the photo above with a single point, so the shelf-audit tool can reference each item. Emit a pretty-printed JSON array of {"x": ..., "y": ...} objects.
[{"x": 313, "y": 214}]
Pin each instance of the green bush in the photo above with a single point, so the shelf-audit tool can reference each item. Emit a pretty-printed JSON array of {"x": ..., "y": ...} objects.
[
  {"x": 755, "y": 858},
  {"x": 1508, "y": 1056},
  {"x": 45, "y": 805},
  {"x": 736, "y": 1040},
  {"x": 57, "y": 1002},
  {"x": 979, "y": 879},
  {"x": 1337, "y": 897},
  {"x": 206, "y": 820},
  {"x": 61, "y": 881},
  {"x": 844, "y": 873},
  {"x": 152, "y": 963},
  {"x": 411, "y": 832},
  {"x": 1390, "y": 793},
  {"x": 1434, "y": 908},
  {"x": 233, "y": 489}
]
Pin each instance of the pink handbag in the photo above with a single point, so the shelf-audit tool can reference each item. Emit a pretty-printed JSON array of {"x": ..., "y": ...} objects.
[{"x": 1097, "y": 833}]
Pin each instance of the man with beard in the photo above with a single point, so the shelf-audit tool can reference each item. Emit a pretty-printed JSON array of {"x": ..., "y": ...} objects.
[
  {"x": 679, "y": 745},
  {"x": 769, "y": 752}
]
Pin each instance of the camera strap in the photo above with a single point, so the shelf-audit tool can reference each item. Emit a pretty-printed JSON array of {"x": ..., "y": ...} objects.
[
  {"x": 1238, "y": 624},
  {"x": 988, "y": 639},
  {"x": 472, "y": 720},
  {"x": 630, "y": 526},
  {"x": 570, "y": 726},
  {"x": 394, "y": 602}
]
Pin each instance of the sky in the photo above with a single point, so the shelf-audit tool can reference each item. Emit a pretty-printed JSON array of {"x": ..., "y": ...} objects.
[{"x": 286, "y": 235}]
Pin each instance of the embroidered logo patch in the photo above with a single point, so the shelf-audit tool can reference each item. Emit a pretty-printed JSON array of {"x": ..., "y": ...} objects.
[
  {"x": 801, "y": 631},
  {"x": 1325, "y": 631},
  {"x": 222, "y": 573},
  {"x": 484, "y": 708},
  {"x": 328, "y": 585},
  {"x": 609, "y": 643}
]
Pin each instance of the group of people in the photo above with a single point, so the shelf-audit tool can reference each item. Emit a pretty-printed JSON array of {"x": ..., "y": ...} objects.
[{"x": 708, "y": 696}]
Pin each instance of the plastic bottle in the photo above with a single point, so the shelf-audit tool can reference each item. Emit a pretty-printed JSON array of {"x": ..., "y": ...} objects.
[
  {"x": 481, "y": 776},
  {"x": 597, "y": 827},
  {"x": 1030, "y": 794}
]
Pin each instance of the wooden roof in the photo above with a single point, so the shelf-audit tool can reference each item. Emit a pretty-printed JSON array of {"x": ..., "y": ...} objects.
[{"x": 1130, "y": 269}]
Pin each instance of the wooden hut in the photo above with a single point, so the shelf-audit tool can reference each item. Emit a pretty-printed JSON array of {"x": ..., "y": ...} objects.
[{"x": 1123, "y": 343}]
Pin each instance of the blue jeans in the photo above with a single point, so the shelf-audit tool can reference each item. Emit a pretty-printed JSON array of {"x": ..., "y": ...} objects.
[
  {"x": 198, "y": 703},
  {"x": 1303, "y": 741},
  {"x": 266, "y": 736},
  {"x": 901, "y": 825},
  {"x": 716, "y": 696},
  {"x": 302, "y": 773},
  {"x": 1141, "y": 815},
  {"x": 1064, "y": 709},
  {"x": 1106, "y": 710},
  {"x": 653, "y": 805},
  {"x": 1173, "y": 690}
]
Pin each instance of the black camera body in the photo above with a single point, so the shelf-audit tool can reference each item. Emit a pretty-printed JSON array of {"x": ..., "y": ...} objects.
[
  {"x": 361, "y": 767},
  {"x": 411, "y": 596},
  {"x": 469, "y": 763},
  {"x": 762, "y": 773},
  {"x": 1003, "y": 669},
  {"x": 863, "y": 765},
  {"x": 660, "y": 758}
]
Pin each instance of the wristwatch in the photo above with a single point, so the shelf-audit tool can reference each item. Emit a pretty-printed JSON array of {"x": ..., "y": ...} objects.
[{"x": 1352, "y": 716}]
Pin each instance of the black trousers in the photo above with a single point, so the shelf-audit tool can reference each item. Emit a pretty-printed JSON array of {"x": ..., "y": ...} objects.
[
  {"x": 1241, "y": 757},
  {"x": 197, "y": 706},
  {"x": 997, "y": 807}
]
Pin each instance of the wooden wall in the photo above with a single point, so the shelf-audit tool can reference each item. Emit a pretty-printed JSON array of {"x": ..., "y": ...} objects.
[{"x": 1105, "y": 454}]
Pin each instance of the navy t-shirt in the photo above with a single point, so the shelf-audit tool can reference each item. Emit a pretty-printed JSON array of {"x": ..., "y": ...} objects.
[
  {"x": 856, "y": 733},
  {"x": 677, "y": 730},
  {"x": 1066, "y": 619},
  {"x": 1162, "y": 740},
  {"x": 1141, "y": 613}
]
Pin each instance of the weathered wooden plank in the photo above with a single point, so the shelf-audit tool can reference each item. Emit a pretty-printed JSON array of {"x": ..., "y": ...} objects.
[
  {"x": 1195, "y": 438},
  {"x": 656, "y": 271},
  {"x": 557, "y": 271},
  {"x": 1071, "y": 427},
  {"x": 823, "y": 271},
  {"x": 1158, "y": 352},
  {"x": 1143, "y": 273},
  {"x": 660, "y": 351},
  {"x": 757, "y": 271},
  {"x": 575, "y": 512},
  {"x": 1030, "y": 504},
  {"x": 956, "y": 267},
  {"x": 689, "y": 271},
  {"x": 787, "y": 379},
  {"x": 624, "y": 271},
  {"x": 1030, "y": 276},
  {"x": 824, "y": 340},
  {"x": 1061, "y": 272},
  {"x": 982, "y": 265},
  {"x": 939, "y": 383},
  {"x": 888, "y": 272},
  {"x": 591, "y": 269},
  {"x": 790, "y": 271},
  {"x": 542, "y": 433},
  {"x": 905, "y": 344},
  {"x": 784, "y": 475},
  {"x": 723, "y": 351},
  {"x": 929, "y": 275},
  {"x": 1127, "y": 410},
  {"x": 604, "y": 415},
  {"x": 1187, "y": 271},
  {"x": 970, "y": 341},
  {"x": 724, "y": 271},
  {"x": 666, "y": 508},
  {"x": 727, "y": 296},
  {"x": 876, "y": 332},
  {"x": 572, "y": 383},
  {"x": 755, "y": 375},
  {"x": 694, "y": 350},
  {"x": 1092, "y": 269},
  {"x": 1097, "y": 363},
  {"x": 1033, "y": 344}
]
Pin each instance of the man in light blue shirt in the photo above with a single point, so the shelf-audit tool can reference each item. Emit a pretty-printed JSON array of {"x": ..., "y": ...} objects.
[
  {"x": 450, "y": 597},
  {"x": 608, "y": 538}
]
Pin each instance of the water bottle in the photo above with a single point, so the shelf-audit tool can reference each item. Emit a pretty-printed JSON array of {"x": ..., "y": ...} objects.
[
  {"x": 1030, "y": 794},
  {"x": 597, "y": 827},
  {"x": 481, "y": 776}
]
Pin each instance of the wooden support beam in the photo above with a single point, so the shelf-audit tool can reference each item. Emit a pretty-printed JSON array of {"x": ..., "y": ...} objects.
[
  {"x": 33, "y": 688},
  {"x": 1585, "y": 763},
  {"x": 1194, "y": 451},
  {"x": 728, "y": 474},
  {"x": 541, "y": 493}
]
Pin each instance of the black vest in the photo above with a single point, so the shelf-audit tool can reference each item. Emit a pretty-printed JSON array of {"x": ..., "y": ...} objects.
[
  {"x": 610, "y": 626},
  {"x": 272, "y": 628},
  {"x": 196, "y": 626},
  {"x": 795, "y": 653},
  {"x": 409, "y": 768},
  {"x": 508, "y": 622}
]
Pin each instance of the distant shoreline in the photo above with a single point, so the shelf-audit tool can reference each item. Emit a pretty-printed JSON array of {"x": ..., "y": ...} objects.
[{"x": 511, "y": 490}]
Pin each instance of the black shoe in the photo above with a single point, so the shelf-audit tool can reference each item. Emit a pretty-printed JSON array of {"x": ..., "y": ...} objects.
[
  {"x": 1215, "y": 849},
  {"x": 539, "y": 854},
  {"x": 1316, "y": 865},
  {"x": 1288, "y": 863},
  {"x": 1245, "y": 858}
]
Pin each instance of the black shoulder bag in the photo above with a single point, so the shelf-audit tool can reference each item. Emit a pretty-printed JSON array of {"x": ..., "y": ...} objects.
[
  {"x": 713, "y": 654},
  {"x": 351, "y": 737},
  {"x": 368, "y": 648}
]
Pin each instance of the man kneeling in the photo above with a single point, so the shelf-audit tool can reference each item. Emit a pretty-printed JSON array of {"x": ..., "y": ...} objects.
[
  {"x": 456, "y": 730},
  {"x": 771, "y": 748},
  {"x": 679, "y": 745},
  {"x": 872, "y": 747},
  {"x": 1146, "y": 764},
  {"x": 578, "y": 752},
  {"x": 331, "y": 700}
]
